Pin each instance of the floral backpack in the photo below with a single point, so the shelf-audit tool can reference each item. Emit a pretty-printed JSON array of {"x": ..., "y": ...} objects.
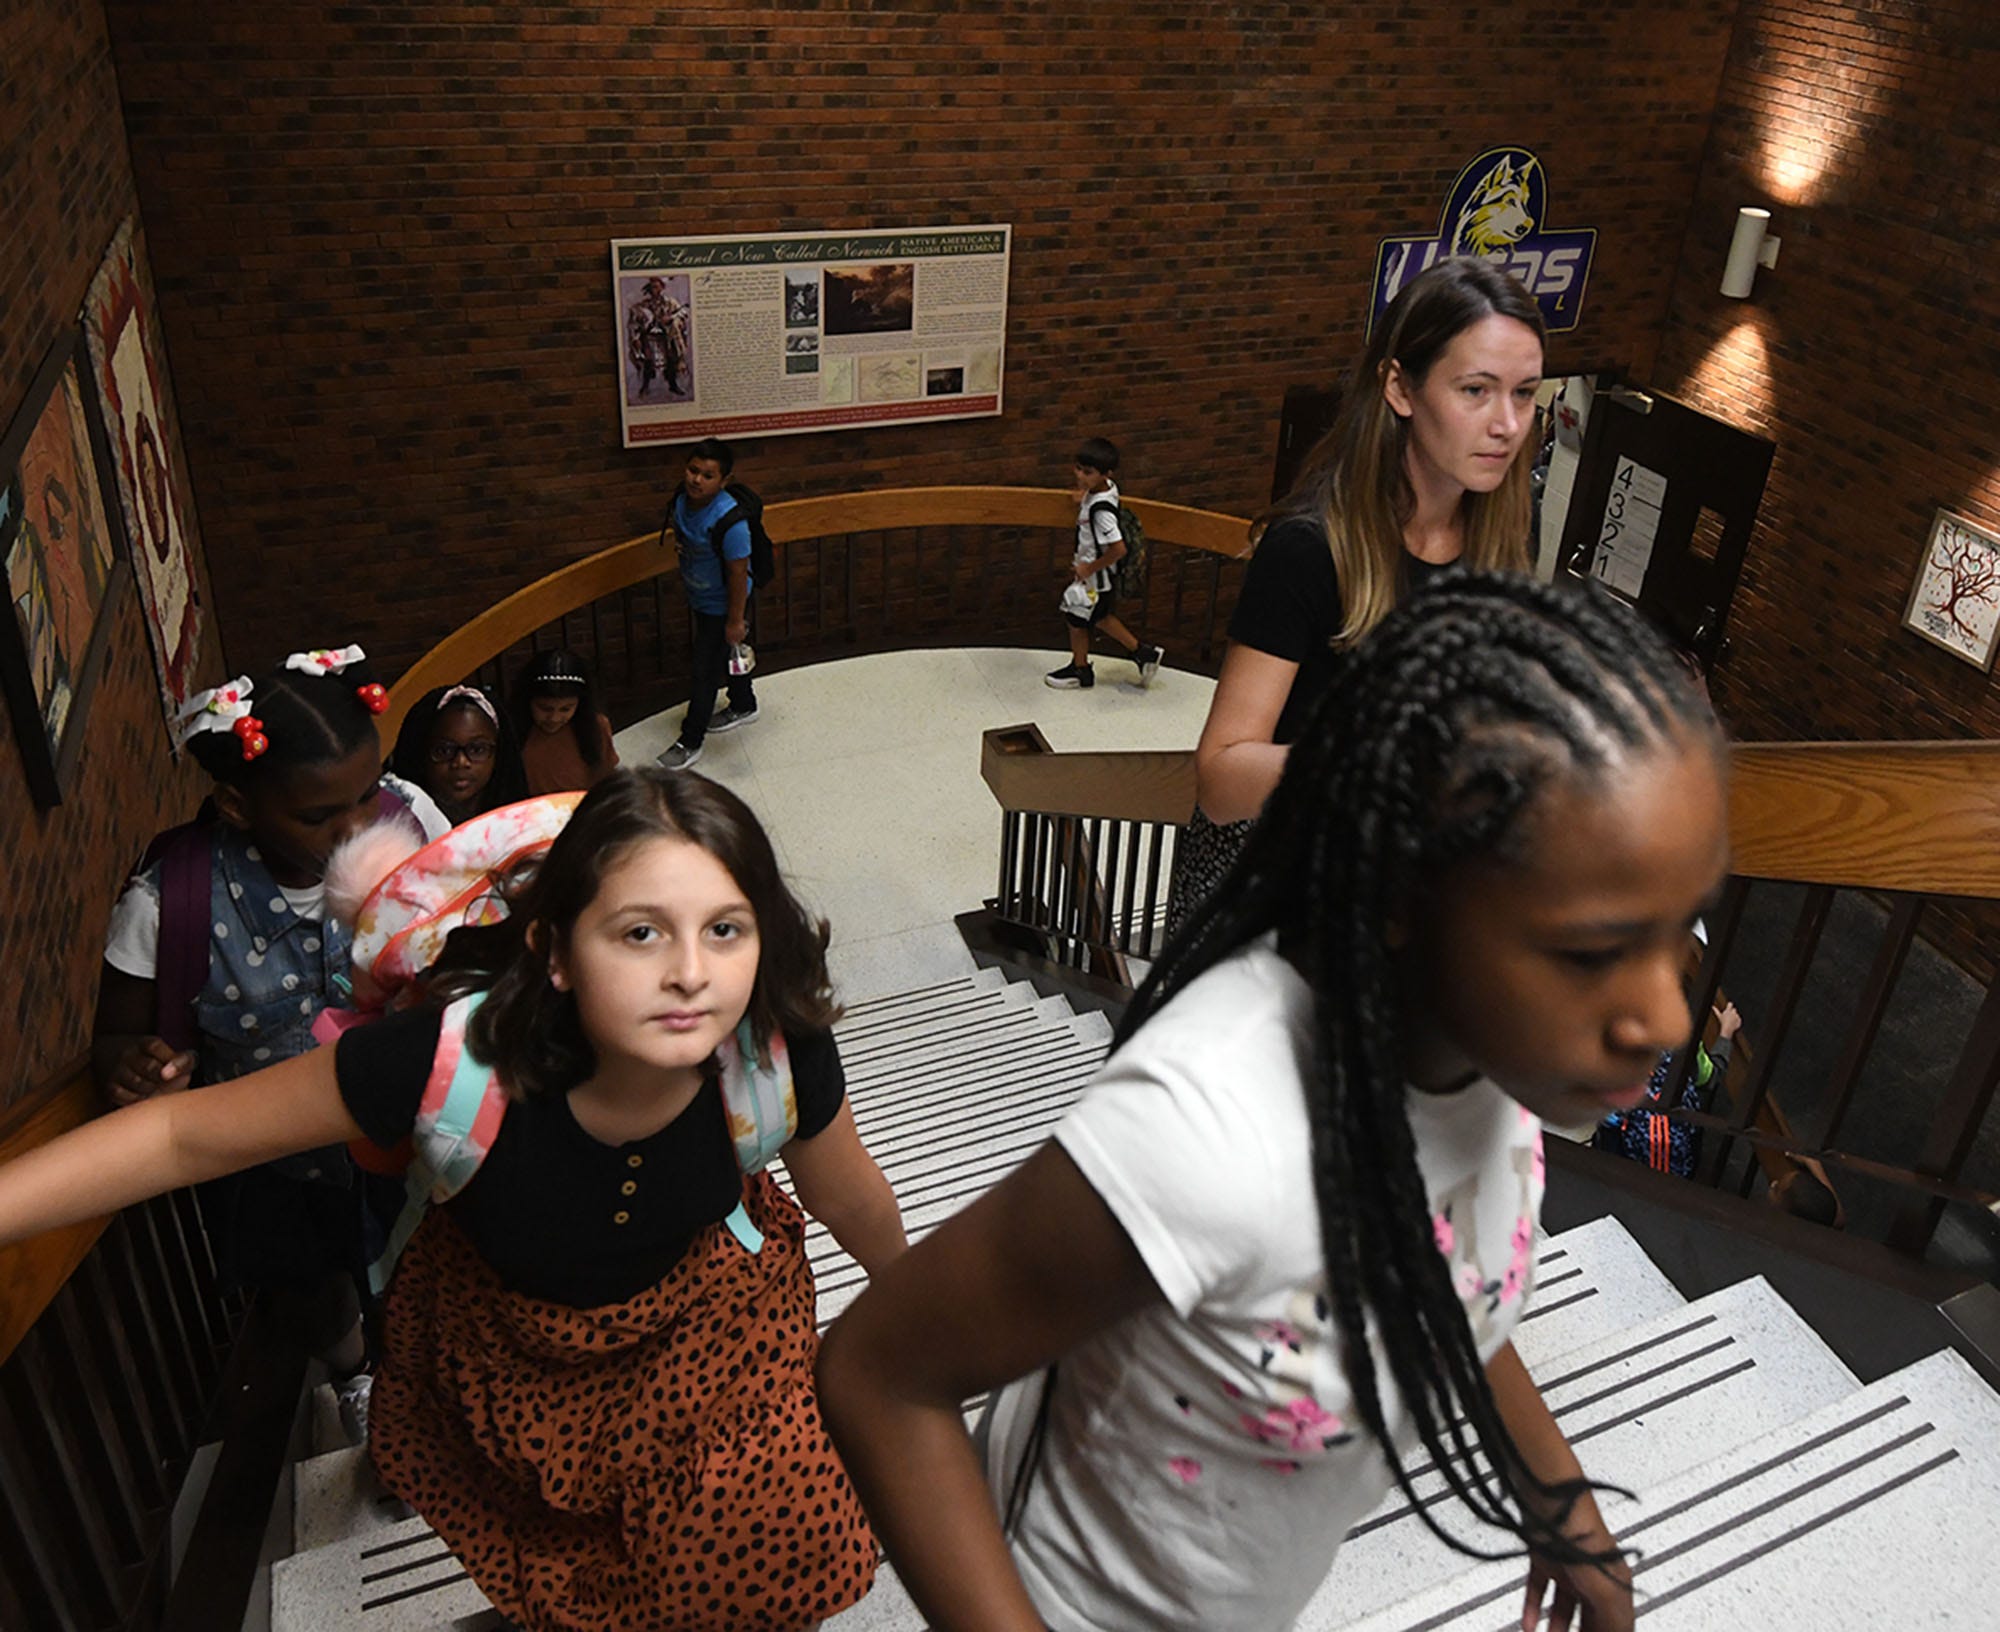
[{"x": 400, "y": 927}]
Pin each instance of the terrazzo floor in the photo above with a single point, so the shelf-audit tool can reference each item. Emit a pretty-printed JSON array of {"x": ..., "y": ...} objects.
[{"x": 866, "y": 775}]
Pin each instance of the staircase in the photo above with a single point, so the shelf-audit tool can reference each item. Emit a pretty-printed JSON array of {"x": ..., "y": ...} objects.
[
  {"x": 1766, "y": 1483},
  {"x": 952, "y": 1085}
]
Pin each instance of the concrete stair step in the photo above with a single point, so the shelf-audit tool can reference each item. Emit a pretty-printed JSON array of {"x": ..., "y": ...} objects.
[
  {"x": 947, "y": 1116},
  {"x": 1641, "y": 1407},
  {"x": 1590, "y": 1282},
  {"x": 1880, "y": 1510},
  {"x": 391, "y": 1578},
  {"x": 336, "y": 1496}
]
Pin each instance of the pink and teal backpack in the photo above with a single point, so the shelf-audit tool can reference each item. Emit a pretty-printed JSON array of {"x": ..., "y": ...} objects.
[{"x": 400, "y": 929}]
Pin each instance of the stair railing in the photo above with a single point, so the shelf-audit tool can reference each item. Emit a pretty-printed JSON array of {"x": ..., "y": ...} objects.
[
  {"x": 1913, "y": 825},
  {"x": 115, "y": 1350},
  {"x": 1086, "y": 847},
  {"x": 857, "y": 572}
]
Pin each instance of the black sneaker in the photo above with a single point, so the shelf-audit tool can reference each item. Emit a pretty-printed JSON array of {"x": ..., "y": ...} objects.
[
  {"x": 1149, "y": 659},
  {"x": 1071, "y": 677},
  {"x": 679, "y": 756},
  {"x": 730, "y": 718}
]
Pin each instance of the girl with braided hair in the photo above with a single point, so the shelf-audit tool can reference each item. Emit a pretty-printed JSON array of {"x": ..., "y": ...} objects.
[
  {"x": 1427, "y": 465},
  {"x": 1272, "y": 1259}
]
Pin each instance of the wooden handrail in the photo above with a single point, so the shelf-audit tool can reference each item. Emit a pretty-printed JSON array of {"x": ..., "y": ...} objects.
[
  {"x": 576, "y": 585},
  {"x": 32, "y": 1272},
  {"x": 1916, "y": 816},
  {"x": 1141, "y": 785}
]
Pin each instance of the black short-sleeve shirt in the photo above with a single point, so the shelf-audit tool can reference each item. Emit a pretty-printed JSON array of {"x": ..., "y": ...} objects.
[
  {"x": 1290, "y": 608},
  {"x": 557, "y": 1213}
]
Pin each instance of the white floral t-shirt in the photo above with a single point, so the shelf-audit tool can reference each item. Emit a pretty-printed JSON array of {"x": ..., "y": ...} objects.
[{"x": 1202, "y": 1463}]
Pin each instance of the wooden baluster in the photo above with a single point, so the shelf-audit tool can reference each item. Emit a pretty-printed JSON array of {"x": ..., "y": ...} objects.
[
  {"x": 1158, "y": 833},
  {"x": 629, "y": 677},
  {"x": 174, "y": 1408},
  {"x": 41, "y": 1560},
  {"x": 169, "y": 1320},
  {"x": 44, "y": 1376},
  {"x": 1120, "y": 900},
  {"x": 1771, "y": 1039},
  {"x": 1871, "y": 1004},
  {"x": 184, "y": 1288},
  {"x": 1956, "y": 1124},
  {"x": 61, "y": 1494},
  {"x": 114, "y": 1448},
  {"x": 1721, "y": 926},
  {"x": 103, "y": 1332},
  {"x": 185, "y": 1208},
  {"x": 852, "y": 625},
  {"x": 1003, "y": 895},
  {"x": 1135, "y": 840}
]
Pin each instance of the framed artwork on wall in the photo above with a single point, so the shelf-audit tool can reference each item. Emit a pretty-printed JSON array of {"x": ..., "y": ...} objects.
[
  {"x": 130, "y": 372},
  {"x": 65, "y": 563},
  {"x": 1955, "y": 602}
]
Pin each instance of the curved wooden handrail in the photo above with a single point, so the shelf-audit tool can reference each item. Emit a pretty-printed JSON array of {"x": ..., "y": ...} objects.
[
  {"x": 1922, "y": 817},
  {"x": 620, "y": 566},
  {"x": 32, "y": 1272},
  {"x": 1917, "y": 816}
]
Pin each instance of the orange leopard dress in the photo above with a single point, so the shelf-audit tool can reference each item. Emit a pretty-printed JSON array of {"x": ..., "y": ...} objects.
[{"x": 657, "y": 1465}]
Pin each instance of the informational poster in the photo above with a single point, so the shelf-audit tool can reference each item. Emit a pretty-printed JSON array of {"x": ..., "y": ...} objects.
[
  {"x": 808, "y": 331},
  {"x": 1631, "y": 523}
]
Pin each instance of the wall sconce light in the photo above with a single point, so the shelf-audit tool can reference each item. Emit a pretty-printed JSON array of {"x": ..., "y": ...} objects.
[{"x": 1752, "y": 247}]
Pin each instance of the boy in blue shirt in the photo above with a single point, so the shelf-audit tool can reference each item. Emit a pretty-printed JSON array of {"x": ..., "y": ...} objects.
[{"x": 715, "y": 573}]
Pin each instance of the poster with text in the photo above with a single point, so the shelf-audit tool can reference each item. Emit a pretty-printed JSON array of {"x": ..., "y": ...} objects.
[{"x": 808, "y": 331}]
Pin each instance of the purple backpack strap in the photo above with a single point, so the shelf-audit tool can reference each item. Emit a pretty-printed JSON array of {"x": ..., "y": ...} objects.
[{"x": 181, "y": 967}]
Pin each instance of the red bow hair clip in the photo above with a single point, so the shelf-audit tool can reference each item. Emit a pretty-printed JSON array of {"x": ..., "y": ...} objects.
[
  {"x": 251, "y": 730},
  {"x": 374, "y": 697}
]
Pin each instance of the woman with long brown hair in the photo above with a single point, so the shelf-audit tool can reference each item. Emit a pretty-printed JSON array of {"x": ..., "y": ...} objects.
[{"x": 1424, "y": 468}]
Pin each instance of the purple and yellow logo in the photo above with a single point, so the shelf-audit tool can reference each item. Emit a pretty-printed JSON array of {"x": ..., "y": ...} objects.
[{"x": 1495, "y": 210}]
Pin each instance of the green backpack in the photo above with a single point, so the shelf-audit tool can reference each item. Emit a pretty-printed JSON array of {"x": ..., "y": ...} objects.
[{"x": 1132, "y": 569}]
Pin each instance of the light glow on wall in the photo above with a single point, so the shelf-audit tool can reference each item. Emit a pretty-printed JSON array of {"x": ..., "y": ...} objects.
[{"x": 1733, "y": 378}]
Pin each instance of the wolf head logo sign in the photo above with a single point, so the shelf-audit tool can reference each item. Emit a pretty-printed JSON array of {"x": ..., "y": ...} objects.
[
  {"x": 1495, "y": 210},
  {"x": 1498, "y": 213}
]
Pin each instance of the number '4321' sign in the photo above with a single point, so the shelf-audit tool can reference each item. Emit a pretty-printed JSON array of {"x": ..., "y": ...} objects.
[{"x": 1496, "y": 210}]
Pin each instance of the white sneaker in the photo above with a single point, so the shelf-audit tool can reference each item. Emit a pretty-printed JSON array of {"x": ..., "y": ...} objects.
[{"x": 351, "y": 1395}]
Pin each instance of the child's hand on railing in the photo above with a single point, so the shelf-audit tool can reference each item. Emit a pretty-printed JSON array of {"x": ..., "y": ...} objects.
[
  {"x": 145, "y": 1066},
  {"x": 1727, "y": 1021}
]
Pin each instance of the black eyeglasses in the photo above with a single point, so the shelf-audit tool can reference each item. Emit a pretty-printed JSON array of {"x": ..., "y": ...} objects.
[{"x": 473, "y": 753}]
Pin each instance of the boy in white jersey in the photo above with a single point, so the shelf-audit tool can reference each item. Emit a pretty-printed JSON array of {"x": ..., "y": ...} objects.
[{"x": 1090, "y": 598}]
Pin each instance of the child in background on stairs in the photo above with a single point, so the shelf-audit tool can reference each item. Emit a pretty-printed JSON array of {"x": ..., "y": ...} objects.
[
  {"x": 596, "y": 1381},
  {"x": 220, "y": 955},
  {"x": 1269, "y": 1265},
  {"x": 565, "y": 735}
]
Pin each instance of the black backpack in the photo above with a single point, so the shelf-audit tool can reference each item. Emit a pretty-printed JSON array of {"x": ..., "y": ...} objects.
[
  {"x": 1133, "y": 565},
  {"x": 750, "y": 508}
]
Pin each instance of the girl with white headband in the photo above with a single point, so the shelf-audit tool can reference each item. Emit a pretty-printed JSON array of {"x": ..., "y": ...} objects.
[
  {"x": 459, "y": 748},
  {"x": 220, "y": 956}
]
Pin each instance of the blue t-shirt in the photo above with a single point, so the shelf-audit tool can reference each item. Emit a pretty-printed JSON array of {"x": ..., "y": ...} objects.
[{"x": 701, "y": 565}]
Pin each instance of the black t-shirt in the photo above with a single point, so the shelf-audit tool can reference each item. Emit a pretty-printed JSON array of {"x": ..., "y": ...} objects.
[
  {"x": 561, "y": 1215},
  {"x": 1290, "y": 608}
]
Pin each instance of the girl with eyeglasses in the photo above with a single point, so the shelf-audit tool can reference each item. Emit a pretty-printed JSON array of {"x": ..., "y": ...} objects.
[{"x": 459, "y": 748}]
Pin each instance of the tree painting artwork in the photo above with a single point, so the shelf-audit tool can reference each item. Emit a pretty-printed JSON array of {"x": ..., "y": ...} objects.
[
  {"x": 135, "y": 397},
  {"x": 1955, "y": 602}
]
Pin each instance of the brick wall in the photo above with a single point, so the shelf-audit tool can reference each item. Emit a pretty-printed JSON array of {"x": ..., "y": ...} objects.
[
  {"x": 381, "y": 234},
  {"x": 1869, "y": 353},
  {"x": 69, "y": 183}
]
